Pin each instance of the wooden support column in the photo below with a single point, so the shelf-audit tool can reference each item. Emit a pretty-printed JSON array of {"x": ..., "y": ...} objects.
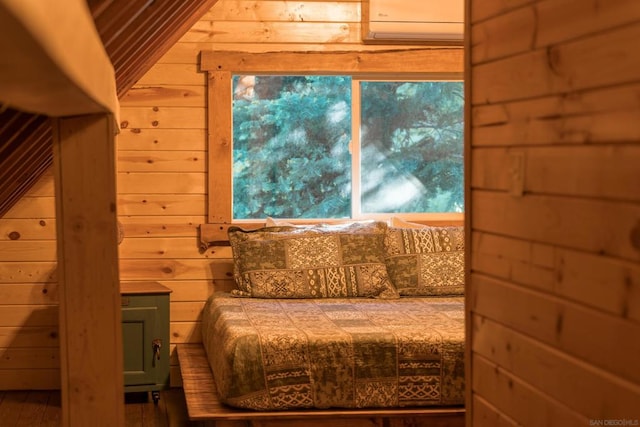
[{"x": 90, "y": 327}]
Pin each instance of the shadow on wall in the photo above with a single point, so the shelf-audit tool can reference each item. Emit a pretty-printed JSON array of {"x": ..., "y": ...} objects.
[{"x": 29, "y": 346}]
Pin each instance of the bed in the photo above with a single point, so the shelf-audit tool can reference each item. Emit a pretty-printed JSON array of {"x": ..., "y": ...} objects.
[
  {"x": 357, "y": 319},
  {"x": 280, "y": 354}
]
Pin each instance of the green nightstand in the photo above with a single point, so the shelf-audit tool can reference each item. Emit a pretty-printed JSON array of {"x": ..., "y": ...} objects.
[{"x": 145, "y": 337}]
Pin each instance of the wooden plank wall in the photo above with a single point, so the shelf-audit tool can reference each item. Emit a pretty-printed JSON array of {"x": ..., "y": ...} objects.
[
  {"x": 29, "y": 347},
  {"x": 161, "y": 161},
  {"x": 555, "y": 211}
]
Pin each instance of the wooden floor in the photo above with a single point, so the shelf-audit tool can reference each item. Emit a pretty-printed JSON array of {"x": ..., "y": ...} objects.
[{"x": 42, "y": 408}]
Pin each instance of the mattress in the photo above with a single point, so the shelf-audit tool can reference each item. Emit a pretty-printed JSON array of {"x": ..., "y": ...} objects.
[{"x": 276, "y": 354}]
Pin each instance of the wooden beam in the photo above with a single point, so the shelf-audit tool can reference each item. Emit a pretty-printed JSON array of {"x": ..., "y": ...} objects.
[
  {"x": 419, "y": 61},
  {"x": 53, "y": 61},
  {"x": 90, "y": 328}
]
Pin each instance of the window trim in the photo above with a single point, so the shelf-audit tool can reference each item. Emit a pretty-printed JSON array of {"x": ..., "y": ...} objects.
[{"x": 419, "y": 63}]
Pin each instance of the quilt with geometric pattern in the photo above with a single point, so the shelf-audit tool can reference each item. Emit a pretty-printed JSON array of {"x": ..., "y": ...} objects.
[{"x": 277, "y": 354}]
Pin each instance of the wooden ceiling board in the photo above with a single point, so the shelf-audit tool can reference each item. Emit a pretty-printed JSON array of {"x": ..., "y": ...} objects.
[
  {"x": 29, "y": 156},
  {"x": 141, "y": 55},
  {"x": 136, "y": 33},
  {"x": 98, "y": 7}
]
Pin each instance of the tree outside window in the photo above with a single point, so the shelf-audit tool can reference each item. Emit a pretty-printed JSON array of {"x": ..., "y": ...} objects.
[{"x": 294, "y": 153}]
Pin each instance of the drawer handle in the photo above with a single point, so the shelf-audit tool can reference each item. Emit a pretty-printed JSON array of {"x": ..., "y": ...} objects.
[{"x": 156, "y": 344}]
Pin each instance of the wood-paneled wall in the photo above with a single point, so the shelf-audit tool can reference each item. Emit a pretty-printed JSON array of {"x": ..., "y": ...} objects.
[
  {"x": 554, "y": 97},
  {"x": 29, "y": 346},
  {"x": 554, "y": 93},
  {"x": 161, "y": 159}
]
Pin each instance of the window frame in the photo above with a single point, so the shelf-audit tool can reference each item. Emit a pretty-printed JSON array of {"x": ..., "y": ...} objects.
[{"x": 411, "y": 64}]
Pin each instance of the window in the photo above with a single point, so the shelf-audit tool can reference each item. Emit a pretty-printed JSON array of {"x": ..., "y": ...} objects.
[
  {"x": 389, "y": 134},
  {"x": 291, "y": 137},
  {"x": 309, "y": 146}
]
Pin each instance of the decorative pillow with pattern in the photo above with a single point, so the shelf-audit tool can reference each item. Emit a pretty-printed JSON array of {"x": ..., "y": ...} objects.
[
  {"x": 320, "y": 261},
  {"x": 426, "y": 261},
  {"x": 402, "y": 223}
]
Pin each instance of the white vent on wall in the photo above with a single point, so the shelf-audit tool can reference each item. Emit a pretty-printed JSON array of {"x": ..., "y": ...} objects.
[{"x": 437, "y": 20}]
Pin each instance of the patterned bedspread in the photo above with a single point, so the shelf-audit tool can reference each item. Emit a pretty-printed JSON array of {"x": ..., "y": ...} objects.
[{"x": 272, "y": 354}]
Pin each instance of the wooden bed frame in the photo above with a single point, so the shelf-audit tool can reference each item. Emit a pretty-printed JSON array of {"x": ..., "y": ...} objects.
[{"x": 203, "y": 404}]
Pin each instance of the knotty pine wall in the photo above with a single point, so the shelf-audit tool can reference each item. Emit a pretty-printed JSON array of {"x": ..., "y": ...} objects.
[
  {"x": 161, "y": 184},
  {"x": 554, "y": 207}
]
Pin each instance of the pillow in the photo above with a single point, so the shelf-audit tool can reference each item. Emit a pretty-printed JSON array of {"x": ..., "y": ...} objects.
[
  {"x": 272, "y": 222},
  {"x": 401, "y": 223},
  {"x": 426, "y": 261},
  {"x": 318, "y": 261}
]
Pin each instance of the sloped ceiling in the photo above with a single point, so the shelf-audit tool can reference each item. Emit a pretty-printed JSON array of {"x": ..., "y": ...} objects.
[{"x": 135, "y": 33}]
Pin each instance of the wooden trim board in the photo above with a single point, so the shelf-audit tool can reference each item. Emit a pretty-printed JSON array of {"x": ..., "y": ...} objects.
[
  {"x": 420, "y": 61},
  {"x": 203, "y": 401}
]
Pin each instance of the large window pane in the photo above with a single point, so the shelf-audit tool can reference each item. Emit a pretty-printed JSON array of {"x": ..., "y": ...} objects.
[
  {"x": 290, "y": 147},
  {"x": 411, "y": 147}
]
